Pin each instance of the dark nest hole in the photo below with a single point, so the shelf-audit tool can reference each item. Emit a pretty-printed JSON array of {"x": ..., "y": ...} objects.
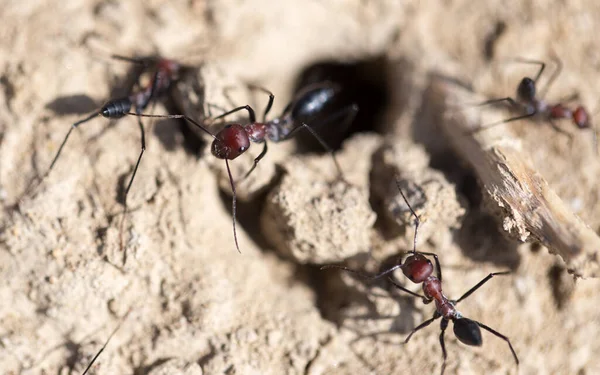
[{"x": 363, "y": 83}]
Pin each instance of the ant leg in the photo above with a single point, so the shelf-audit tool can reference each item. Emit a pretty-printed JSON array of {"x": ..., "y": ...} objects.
[
  {"x": 443, "y": 326},
  {"x": 372, "y": 277},
  {"x": 137, "y": 164},
  {"x": 555, "y": 74},
  {"x": 321, "y": 141},
  {"x": 512, "y": 102},
  {"x": 256, "y": 160},
  {"x": 535, "y": 62},
  {"x": 186, "y": 118},
  {"x": 133, "y": 60},
  {"x": 479, "y": 284},
  {"x": 233, "y": 205},
  {"x": 425, "y": 299},
  {"x": 417, "y": 220},
  {"x": 421, "y": 326},
  {"x": 561, "y": 131},
  {"x": 62, "y": 145},
  {"x": 498, "y": 334},
  {"x": 349, "y": 112},
  {"x": 271, "y": 99},
  {"x": 251, "y": 114},
  {"x": 211, "y": 105}
]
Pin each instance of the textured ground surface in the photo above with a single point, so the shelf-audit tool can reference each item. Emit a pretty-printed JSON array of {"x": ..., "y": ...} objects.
[{"x": 186, "y": 301}]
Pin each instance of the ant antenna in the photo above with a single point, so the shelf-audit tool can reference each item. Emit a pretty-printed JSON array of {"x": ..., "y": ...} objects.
[
  {"x": 89, "y": 366},
  {"x": 417, "y": 220},
  {"x": 234, "y": 205},
  {"x": 186, "y": 118}
]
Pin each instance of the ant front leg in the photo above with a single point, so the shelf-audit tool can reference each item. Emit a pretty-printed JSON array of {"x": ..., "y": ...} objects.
[
  {"x": 145, "y": 62},
  {"x": 251, "y": 114},
  {"x": 372, "y": 277},
  {"x": 271, "y": 99},
  {"x": 425, "y": 299},
  {"x": 257, "y": 159}
]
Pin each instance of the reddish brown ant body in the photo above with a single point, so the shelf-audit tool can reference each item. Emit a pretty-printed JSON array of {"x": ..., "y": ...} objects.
[
  {"x": 313, "y": 103},
  {"x": 419, "y": 269},
  {"x": 528, "y": 104}
]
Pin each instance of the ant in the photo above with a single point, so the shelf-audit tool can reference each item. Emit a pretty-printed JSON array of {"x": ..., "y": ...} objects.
[
  {"x": 234, "y": 139},
  {"x": 165, "y": 72},
  {"x": 314, "y": 101},
  {"x": 418, "y": 269},
  {"x": 527, "y": 104}
]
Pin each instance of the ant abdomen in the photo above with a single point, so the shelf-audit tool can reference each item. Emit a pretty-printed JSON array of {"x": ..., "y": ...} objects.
[
  {"x": 526, "y": 90},
  {"x": 312, "y": 102},
  {"x": 467, "y": 331},
  {"x": 116, "y": 108}
]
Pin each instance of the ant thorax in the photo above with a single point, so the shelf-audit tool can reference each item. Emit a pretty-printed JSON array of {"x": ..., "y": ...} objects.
[{"x": 539, "y": 106}]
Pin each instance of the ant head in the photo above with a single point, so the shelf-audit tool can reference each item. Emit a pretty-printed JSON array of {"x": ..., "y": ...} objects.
[
  {"x": 467, "y": 331},
  {"x": 417, "y": 268},
  {"x": 526, "y": 90},
  {"x": 581, "y": 118},
  {"x": 230, "y": 142}
]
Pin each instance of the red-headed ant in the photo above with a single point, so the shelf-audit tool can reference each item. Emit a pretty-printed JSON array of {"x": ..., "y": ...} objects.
[
  {"x": 419, "y": 269},
  {"x": 164, "y": 73},
  {"x": 310, "y": 104},
  {"x": 233, "y": 140},
  {"x": 528, "y": 104}
]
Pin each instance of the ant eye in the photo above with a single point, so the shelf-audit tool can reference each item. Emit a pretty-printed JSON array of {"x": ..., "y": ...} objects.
[{"x": 242, "y": 149}]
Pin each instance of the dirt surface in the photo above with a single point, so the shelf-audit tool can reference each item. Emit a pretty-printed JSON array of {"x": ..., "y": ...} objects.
[{"x": 183, "y": 299}]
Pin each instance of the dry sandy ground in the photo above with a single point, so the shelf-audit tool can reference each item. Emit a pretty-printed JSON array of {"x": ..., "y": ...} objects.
[{"x": 185, "y": 300}]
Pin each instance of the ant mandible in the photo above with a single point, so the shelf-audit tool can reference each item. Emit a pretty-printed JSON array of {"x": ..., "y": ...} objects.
[
  {"x": 419, "y": 269},
  {"x": 166, "y": 72},
  {"x": 529, "y": 104}
]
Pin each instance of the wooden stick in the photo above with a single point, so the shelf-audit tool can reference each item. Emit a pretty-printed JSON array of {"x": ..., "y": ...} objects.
[{"x": 517, "y": 194}]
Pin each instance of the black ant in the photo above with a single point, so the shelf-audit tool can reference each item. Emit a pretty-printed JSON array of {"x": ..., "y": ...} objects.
[
  {"x": 418, "y": 269},
  {"x": 310, "y": 103},
  {"x": 165, "y": 72},
  {"x": 527, "y": 104}
]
